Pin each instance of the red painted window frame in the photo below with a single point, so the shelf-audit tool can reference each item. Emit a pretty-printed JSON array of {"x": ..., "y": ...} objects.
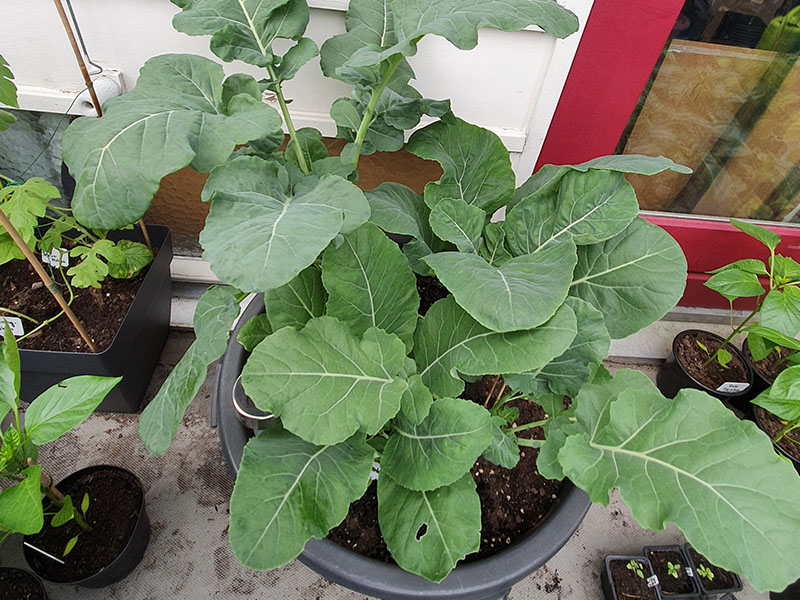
[{"x": 619, "y": 48}]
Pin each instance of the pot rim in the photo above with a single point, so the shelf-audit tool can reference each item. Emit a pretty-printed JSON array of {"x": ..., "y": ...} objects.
[
  {"x": 31, "y": 575},
  {"x": 703, "y": 590},
  {"x": 739, "y": 354},
  {"x": 756, "y": 414},
  {"x": 478, "y": 579}
]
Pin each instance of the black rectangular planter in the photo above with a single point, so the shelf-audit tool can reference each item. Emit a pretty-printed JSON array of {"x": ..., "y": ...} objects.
[
  {"x": 722, "y": 594},
  {"x": 609, "y": 591},
  {"x": 685, "y": 565},
  {"x": 135, "y": 349}
]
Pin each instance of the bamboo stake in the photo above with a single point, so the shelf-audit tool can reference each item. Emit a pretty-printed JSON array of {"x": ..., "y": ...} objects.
[
  {"x": 48, "y": 283},
  {"x": 79, "y": 57},
  {"x": 146, "y": 235}
]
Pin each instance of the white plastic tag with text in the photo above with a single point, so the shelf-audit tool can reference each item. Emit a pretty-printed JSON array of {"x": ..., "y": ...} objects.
[
  {"x": 14, "y": 323},
  {"x": 55, "y": 255},
  {"x": 731, "y": 387},
  {"x": 652, "y": 581}
]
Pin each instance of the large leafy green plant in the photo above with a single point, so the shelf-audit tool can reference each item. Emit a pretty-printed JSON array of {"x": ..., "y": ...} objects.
[
  {"x": 55, "y": 412},
  {"x": 341, "y": 356}
]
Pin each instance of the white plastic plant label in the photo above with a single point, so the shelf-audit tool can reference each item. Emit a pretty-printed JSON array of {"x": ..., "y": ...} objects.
[
  {"x": 732, "y": 387},
  {"x": 376, "y": 469},
  {"x": 15, "y": 323},
  {"x": 652, "y": 581},
  {"x": 52, "y": 258},
  {"x": 689, "y": 572}
]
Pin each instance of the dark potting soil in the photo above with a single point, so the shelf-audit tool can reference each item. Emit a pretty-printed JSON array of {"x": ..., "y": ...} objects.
[
  {"x": 670, "y": 584},
  {"x": 772, "y": 364},
  {"x": 722, "y": 580},
  {"x": 628, "y": 584},
  {"x": 772, "y": 425},
  {"x": 430, "y": 290},
  {"x": 115, "y": 500},
  {"x": 100, "y": 311},
  {"x": 712, "y": 375},
  {"x": 20, "y": 585},
  {"x": 513, "y": 501}
]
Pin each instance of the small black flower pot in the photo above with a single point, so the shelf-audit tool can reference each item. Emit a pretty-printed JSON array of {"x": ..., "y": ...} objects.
[
  {"x": 121, "y": 484},
  {"x": 618, "y": 581},
  {"x": 673, "y": 376},
  {"x": 490, "y": 578},
  {"x": 135, "y": 350},
  {"x": 682, "y": 586},
  {"x": 18, "y": 583},
  {"x": 759, "y": 415},
  {"x": 712, "y": 589}
]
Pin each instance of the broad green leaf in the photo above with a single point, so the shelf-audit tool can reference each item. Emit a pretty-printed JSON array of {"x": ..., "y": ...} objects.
[
  {"x": 65, "y": 405},
  {"x": 735, "y": 283},
  {"x": 213, "y": 317},
  {"x": 21, "y": 505},
  {"x": 174, "y": 117},
  {"x": 298, "y": 55},
  {"x": 682, "y": 461},
  {"x": 459, "y": 22},
  {"x": 92, "y": 269},
  {"x": 262, "y": 231},
  {"x": 781, "y": 310},
  {"x": 493, "y": 248},
  {"x": 415, "y": 251},
  {"x": 136, "y": 257},
  {"x": 774, "y": 336},
  {"x": 521, "y": 294},
  {"x": 448, "y": 341},
  {"x": 566, "y": 374},
  {"x": 785, "y": 270},
  {"x": 9, "y": 374},
  {"x": 503, "y": 450},
  {"x": 633, "y": 279},
  {"x": 243, "y": 30},
  {"x": 325, "y": 383},
  {"x": 370, "y": 284},
  {"x": 8, "y": 91},
  {"x": 289, "y": 491},
  {"x": 345, "y": 114},
  {"x": 769, "y": 238},
  {"x": 591, "y": 207},
  {"x": 254, "y": 331},
  {"x": 748, "y": 265},
  {"x": 239, "y": 83},
  {"x": 64, "y": 514},
  {"x": 416, "y": 401},
  {"x": 296, "y": 302},
  {"x": 476, "y": 165},
  {"x": 439, "y": 450},
  {"x": 311, "y": 145},
  {"x": 782, "y": 398},
  {"x": 455, "y": 221},
  {"x": 398, "y": 209},
  {"x": 6, "y": 119},
  {"x": 429, "y": 532},
  {"x": 24, "y": 205}
]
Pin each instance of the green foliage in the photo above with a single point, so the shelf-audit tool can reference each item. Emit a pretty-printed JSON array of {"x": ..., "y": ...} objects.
[
  {"x": 704, "y": 572},
  {"x": 52, "y": 414},
  {"x": 8, "y": 94},
  {"x": 636, "y": 568},
  {"x": 673, "y": 569},
  {"x": 341, "y": 358}
]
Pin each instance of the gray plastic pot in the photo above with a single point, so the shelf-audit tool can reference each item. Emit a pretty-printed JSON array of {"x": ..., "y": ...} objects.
[{"x": 487, "y": 579}]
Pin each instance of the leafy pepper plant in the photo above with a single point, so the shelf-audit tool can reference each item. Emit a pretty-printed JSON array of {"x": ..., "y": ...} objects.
[
  {"x": 52, "y": 414},
  {"x": 342, "y": 357}
]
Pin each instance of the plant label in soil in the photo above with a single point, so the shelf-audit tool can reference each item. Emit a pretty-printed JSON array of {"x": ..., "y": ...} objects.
[
  {"x": 689, "y": 572},
  {"x": 55, "y": 256},
  {"x": 15, "y": 324},
  {"x": 731, "y": 387},
  {"x": 652, "y": 581}
]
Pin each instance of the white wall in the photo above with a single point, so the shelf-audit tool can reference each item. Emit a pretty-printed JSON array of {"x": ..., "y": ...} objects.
[{"x": 510, "y": 83}]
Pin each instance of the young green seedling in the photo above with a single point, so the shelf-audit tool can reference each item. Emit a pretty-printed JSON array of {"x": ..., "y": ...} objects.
[
  {"x": 705, "y": 572},
  {"x": 673, "y": 569},
  {"x": 636, "y": 568}
]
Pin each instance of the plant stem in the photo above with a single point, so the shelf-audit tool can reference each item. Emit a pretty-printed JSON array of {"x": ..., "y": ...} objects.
[
  {"x": 530, "y": 443},
  {"x": 366, "y": 120},
  {"x": 73, "y": 222},
  {"x": 733, "y": 334},
  {"x": 529, "y": 425},
  {"x": 18, "y": 314},
  {"x": 786, "y": 429},
  {"x": 301, "y": 159},
  {"x": 46, "y": 322}
]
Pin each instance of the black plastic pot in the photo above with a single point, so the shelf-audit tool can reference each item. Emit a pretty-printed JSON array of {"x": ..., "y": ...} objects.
[
  {"x": 130, "y": 556},
  {"x": 778, "y": 449},
  {"x": 760, "y": 383},
  {"x": 133, "y": 353},
  {"x": 709, "y": 593},
  {"x": 792, "y": 592},
  {"x": 673, "y": 377},
  {"x": 34, "y": 590},
  {"x": 695, "y": 593},
  {"x": 487, "y": 579},
  {"x": 609, "y": 590}
]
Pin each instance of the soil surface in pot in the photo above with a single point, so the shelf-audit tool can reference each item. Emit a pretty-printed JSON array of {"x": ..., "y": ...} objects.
[
  {"x": 100, "y": 311},
  {"x": 693, "y": 359},
  {"x": 772, "y": 425},
  {"x": 513, "y": 501},
  {"x": 628, "y": 584},
  {"x": 16, "y": 583},
  {"x": 430, "y": 290},
  {"x": 771, "y": 365},
  {"x": 722, "y": 580},
  {"x": 115, "y": 499},
  {"x": 682, "y": 584}
]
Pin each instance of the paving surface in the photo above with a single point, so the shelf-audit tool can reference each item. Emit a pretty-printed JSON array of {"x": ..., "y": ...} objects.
[{"x": 187, "y": 499}]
